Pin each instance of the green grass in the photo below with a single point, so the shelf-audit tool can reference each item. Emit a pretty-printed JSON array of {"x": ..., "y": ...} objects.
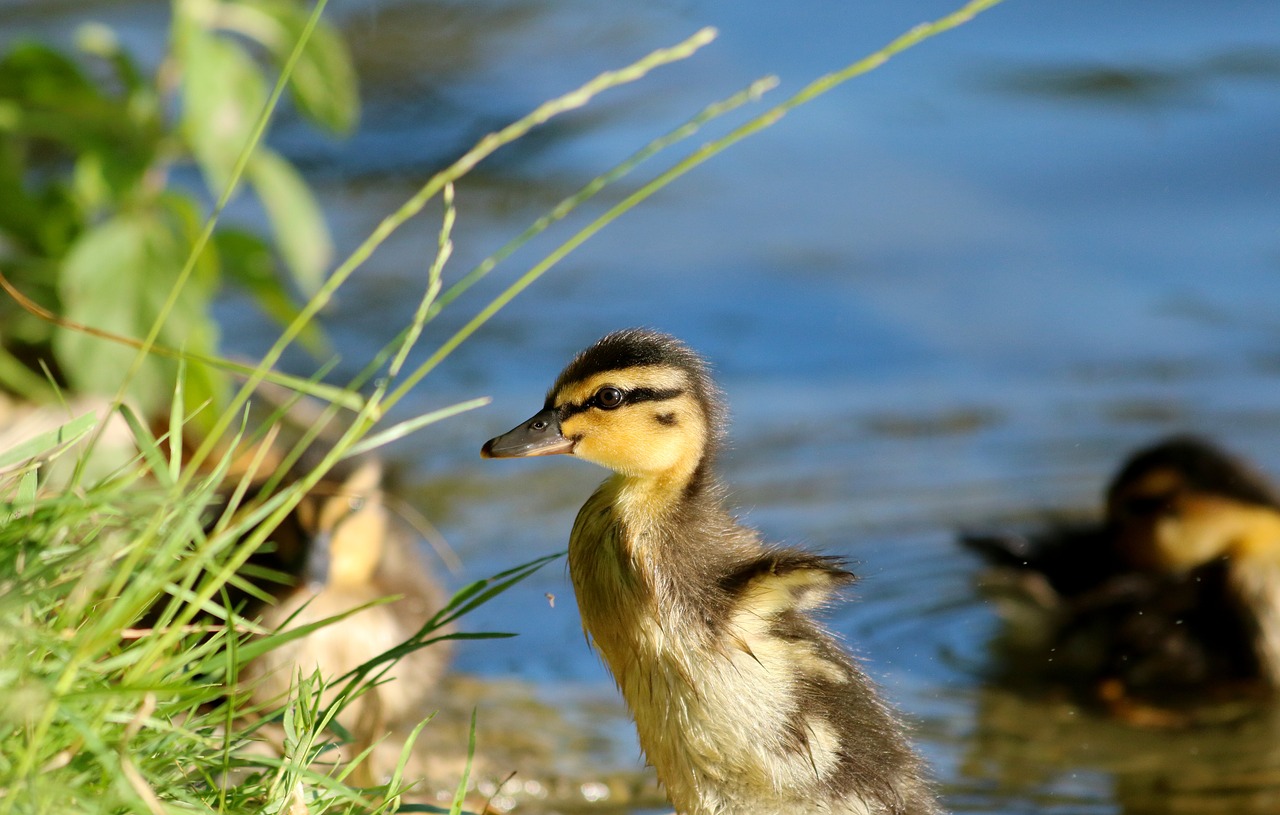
[{"x": 105, "y": 713}]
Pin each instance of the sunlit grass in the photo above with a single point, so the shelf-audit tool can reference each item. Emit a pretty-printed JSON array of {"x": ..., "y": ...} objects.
[{"x": 120, "y": 659}]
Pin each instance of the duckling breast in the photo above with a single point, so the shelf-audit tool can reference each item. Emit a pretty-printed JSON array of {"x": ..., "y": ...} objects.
[
  {"x": 1256, "y": 587},
  {"x": 340, "y": 647},
  {"x": 742, "y": 703}
]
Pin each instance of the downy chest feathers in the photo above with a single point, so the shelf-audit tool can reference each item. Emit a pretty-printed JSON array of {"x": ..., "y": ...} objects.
[{"x": 741, "y": 703}]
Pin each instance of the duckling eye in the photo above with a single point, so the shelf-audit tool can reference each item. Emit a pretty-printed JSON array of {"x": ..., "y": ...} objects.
[
  {"x": 608, "y": 398},
  {"x": 355, "y": 503}
]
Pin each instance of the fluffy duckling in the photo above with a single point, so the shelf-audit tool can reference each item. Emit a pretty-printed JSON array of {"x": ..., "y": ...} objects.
[
  {"x": 342, "y": 552},
  {"x": 1178, "y": 587},
  {"x": 743, "y": 703}
]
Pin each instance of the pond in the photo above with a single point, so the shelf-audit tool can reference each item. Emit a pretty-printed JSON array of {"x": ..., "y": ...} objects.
[{"x": 949, "y": 294}]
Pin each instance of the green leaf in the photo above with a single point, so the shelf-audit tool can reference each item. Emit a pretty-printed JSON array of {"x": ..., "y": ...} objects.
[
  {"x": 54, "y": 104},
  {"x": 295, "y": 218},
  {"x": 323, "y": 84},
  {"x": 460, "y": 794},
  {"x": 40, "y": 222},
  {"x": 116, "y": 278},
  {"x": 51, "y": 104},
  {"x": 36, "y": 74},
  {"x": 223, "y": 92},
  {"x": 202, "y": 384}
]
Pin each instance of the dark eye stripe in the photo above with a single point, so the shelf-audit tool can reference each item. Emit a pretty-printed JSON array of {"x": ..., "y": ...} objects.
[
  {"x": 650, "y": 395},
  {"x": 631, "y": 397}
]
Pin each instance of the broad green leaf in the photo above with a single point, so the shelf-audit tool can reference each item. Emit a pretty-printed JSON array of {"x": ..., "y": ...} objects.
[
  {"x": 202, "y": 384},
  {"x": 57, "y": 104},
  {"x": 34, "y": 220},
  {"x": 185, "y": 219},
  {"x": 116, "y": 278},
  {"x": 295, "y": 217},
  {"x": 39, "y": 75},
  {"x": 223, "y": 92},
  {"x": 323, "y": 82}
]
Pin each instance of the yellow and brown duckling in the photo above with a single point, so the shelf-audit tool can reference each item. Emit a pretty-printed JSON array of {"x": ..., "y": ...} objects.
[
  {"x": 743, "y": 703},
  {"x": 340, "y": 550},
  {"x": 1176, "y": 589}
]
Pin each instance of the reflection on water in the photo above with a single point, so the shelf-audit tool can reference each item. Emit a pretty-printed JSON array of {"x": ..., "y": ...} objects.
[
  {"x": 1022, "y": 747},
  {"x": 952, "y": 293},
  {"x": 1142, "y": 86}
]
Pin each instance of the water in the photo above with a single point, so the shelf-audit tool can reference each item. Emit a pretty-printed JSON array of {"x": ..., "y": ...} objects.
[{"x": 948, "y": 294}]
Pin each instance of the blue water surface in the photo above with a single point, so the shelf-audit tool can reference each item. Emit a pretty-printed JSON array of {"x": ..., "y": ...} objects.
[{"x": 951, "y": 292}]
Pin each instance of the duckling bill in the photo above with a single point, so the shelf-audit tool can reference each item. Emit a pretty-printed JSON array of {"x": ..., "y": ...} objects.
[{"x": 742, "y": 701}]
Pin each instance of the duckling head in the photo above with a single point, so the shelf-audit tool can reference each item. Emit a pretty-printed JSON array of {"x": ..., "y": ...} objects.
[
  {"x": 347, "y": 525},
  {"x": 638, "y": 402},
  {"x": 1183, "y": 502}
]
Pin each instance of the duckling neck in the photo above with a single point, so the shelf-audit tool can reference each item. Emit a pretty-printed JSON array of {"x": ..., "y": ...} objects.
[
  {"x": 644, "y": 548},
  {"x": 648, "y": 501}
]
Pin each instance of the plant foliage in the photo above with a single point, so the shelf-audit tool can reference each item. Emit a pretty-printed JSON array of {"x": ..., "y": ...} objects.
[{"x": 99, "y": 216}]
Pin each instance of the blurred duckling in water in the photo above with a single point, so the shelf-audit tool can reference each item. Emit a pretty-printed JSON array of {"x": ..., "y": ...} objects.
[
  {"x": 1176, "y": 590},
  {"x": 743, "y": 704},
  {"x": 342, "y": 552}
]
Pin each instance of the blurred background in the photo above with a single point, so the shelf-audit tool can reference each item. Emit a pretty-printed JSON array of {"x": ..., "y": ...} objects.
[{"x": 949, "y": 294}]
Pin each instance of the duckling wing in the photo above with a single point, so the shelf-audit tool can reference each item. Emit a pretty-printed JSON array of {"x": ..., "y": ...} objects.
[
  {"x": 1071, "y": 557},
  {"x": 999, "y": 548},
  {"x": 785, "y": 579}
]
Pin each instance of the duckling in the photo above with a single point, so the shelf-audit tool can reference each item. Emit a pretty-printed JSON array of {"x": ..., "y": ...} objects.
[
  {"x": 1177, "y": 588},
  {"x": 341, "y": 551},
  {"x": 742, "y": 702}
]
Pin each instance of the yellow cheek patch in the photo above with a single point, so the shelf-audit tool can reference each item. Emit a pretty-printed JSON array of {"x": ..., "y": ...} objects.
[
  {"x": 1206, "y": 527},
  {"x": 646, "y": 437}
]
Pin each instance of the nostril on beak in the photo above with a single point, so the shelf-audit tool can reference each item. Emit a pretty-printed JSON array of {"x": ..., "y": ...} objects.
[{"x": 538, "y": 425}]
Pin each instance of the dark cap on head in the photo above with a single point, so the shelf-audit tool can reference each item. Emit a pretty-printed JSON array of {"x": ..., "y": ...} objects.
[
  {"x": 633, "y": 347},
  {"x": 1205, "y": 468}
]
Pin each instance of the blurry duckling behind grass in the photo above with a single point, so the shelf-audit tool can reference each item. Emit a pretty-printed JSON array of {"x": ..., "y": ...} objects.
[
  {"x": 341, "y": 550},
  {"x": 1174, "y": 592}
]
